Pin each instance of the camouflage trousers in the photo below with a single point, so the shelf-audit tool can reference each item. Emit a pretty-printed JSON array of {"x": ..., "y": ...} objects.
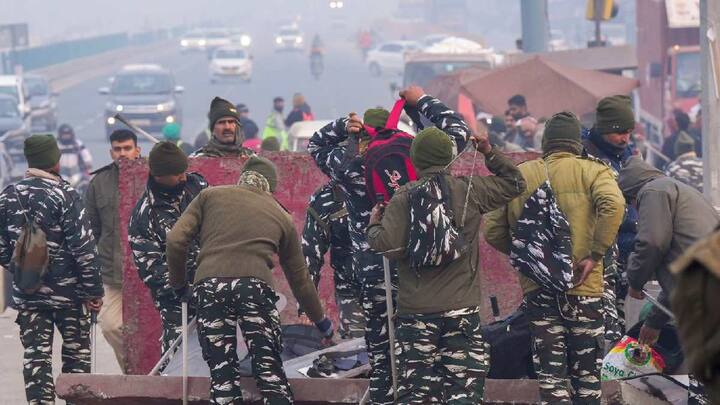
[
  {"x": 171, "y": 318},
  {"x": 36, "y": 335},
  {"x": 568, "y": 341},
  {"x": 348, "y": 297},
  {"x": 370, "y": 266},
  {"x": 696, "y": 392},
  {"x": 222, "y": 305},
  {"x": 442, "y": 358},
  {"x": 614, "y": 293}
]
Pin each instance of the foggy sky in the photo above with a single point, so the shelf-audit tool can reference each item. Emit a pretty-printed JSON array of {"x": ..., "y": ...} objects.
[{"x": 498, "y": 21}]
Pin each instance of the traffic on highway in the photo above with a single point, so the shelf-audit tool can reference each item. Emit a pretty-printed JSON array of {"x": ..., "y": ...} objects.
[{"x": 359, "y": 202}]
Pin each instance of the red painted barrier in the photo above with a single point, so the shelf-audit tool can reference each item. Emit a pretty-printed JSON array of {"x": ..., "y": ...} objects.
[{"x": 298, "y": 179}]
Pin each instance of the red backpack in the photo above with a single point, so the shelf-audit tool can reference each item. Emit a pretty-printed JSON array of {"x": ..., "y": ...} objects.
[{"x": 387, "y": 159}]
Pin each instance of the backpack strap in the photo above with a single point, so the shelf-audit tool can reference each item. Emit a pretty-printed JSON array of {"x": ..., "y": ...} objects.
[
  {"x": 324, "y": 225},
  {"x": 394, "y": 118},
  {"x": 24, "y": 211},
  {"x": 392, "y": 121}
]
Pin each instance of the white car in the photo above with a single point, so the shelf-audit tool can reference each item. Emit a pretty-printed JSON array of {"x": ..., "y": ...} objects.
[
  {"x": 289, "y": 38},
  {"x": 14, "y": 86},
  {"x": 206, "y": 39},
  {"x": 193, "y": 41},
  {"x": 231, "y": 62},
  {"x": 389, "y": 58}
]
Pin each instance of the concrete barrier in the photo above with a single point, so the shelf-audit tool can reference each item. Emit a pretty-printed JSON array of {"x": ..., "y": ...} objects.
[{"x": 299, "y": 178}]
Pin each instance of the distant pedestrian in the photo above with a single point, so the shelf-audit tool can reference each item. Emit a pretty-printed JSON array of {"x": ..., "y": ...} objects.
[
  {"x": 75, "y": 159},
  {"x": 301, "y": 111},
  {"x": 687, "y": 166},
  {"x": 102, "y": 202},
  {"x": 249, "y": 127},
  {"x": 681, "y": 124},
  {"x": 275, "y": 124},
  {"x": 63, "y": 296},
  {"x": 171, "y": 133},
  {"x": 241, "y": 229}
]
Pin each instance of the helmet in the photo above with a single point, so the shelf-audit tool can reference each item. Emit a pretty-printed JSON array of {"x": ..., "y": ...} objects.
[
  {"x": 65, "y": 129},
  {"x": 171, "y": 131},
  {"x": 66, "y": 134}
]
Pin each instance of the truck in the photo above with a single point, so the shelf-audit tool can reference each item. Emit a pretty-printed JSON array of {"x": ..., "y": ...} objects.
[{"x": 668, "y": 51}]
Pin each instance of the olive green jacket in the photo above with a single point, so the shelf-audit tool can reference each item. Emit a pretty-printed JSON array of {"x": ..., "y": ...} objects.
[
  {"x": 587, "y": 193},
  {"x": 434, "y": 290},
  {"x": 101, "y": 202}
]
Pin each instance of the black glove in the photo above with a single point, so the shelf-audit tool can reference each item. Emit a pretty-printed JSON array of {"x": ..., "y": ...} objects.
[
  {"x": 184, "y": 293},
  {"x": 326, "y": 328}
]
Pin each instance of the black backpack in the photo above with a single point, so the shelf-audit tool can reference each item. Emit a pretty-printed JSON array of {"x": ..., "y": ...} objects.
[
  {"x": 541, "y": 247},
  {"x": 434, "y": 238},
  {"x": 510, "y": 347}
]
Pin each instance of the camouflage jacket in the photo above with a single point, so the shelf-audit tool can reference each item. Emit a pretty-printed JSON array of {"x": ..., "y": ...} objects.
[
  {"x": 328, "y": 147},
  {"x": 73, "y": 274},
  {"x": 687, "y": 169},
  {"x": 326, "y": 227},
  {"x": 154, "y": 215}
]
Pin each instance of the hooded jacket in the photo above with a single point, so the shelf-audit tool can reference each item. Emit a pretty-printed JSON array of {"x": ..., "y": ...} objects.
[{"x": 672, "y": 216}]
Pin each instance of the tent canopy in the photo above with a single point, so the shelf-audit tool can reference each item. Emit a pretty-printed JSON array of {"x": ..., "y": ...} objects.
[{"x": 548, "y": 88}]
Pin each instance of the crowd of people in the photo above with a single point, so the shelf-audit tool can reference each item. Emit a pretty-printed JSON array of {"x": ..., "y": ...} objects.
[{"x": 588, "y": 207}]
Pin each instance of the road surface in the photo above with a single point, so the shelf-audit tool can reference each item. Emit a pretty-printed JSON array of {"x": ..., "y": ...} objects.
[{"x": 345, "y": 86}]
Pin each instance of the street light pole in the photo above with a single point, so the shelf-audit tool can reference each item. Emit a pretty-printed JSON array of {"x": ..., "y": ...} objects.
[
  {"x": 535, "y": 32},
  {"x": 710, "y": 99}
]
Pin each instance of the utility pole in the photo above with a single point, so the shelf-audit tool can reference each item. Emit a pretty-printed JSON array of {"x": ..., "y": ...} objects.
[
  {"x": 535, "y": 32},
  {"x": 598, "y": 19},
  {"x": 709, "y": 37}
]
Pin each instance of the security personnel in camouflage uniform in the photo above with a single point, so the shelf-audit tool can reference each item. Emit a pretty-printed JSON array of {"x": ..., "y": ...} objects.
[
  {"x": 567, "y": 329},
  {"x": 687, "y": 166},
  {"x": 441, "y": 351},
  {"x": 227, "y": 134},
  {"x": 327, "y": 228},
  {"x": 338, "y": 156},
  {"x": 72, "y": 285},
  {"x": 169, "y": 191},
  {"x": 241, "y": 228}
]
